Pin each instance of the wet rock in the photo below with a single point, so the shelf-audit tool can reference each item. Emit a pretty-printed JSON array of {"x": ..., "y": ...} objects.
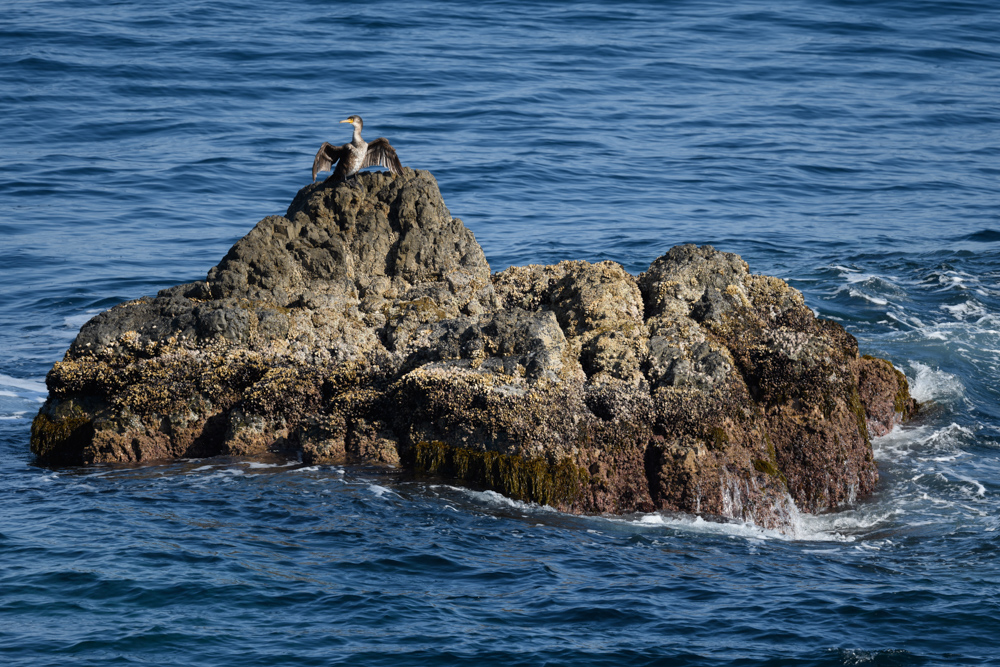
[
  {"x": 364, "y": 326},
  {"x": 885, "y": 394}
]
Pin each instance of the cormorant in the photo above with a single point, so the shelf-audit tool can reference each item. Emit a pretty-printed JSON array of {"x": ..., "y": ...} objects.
[{"x": 356, "y": 155}]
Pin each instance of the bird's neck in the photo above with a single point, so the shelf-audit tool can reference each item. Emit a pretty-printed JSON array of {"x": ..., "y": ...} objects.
[{"x": 357, "y": 140}]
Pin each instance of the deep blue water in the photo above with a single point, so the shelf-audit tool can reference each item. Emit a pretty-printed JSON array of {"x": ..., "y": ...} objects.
[{"x": 850, "y": 147}]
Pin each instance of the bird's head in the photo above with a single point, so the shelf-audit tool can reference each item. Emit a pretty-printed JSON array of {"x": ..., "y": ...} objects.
[{"x": 354, "y": 120}]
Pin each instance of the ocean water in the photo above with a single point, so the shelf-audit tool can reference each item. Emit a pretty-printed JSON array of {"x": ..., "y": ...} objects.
[{"x": 850, "y": 147}]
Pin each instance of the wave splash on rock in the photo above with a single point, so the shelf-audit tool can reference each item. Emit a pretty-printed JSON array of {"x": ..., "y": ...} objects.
[{"x": 364, "y": 326}]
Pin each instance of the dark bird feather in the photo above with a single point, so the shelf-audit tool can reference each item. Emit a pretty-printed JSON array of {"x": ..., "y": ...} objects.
[
  {"x": 381, "y": 154},
  {"x": 356, "y": 155},
  {"x": 326, "y": 156}
]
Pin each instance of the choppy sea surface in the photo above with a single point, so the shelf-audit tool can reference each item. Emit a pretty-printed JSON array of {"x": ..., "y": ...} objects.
[{"x": 851, "y": 147}]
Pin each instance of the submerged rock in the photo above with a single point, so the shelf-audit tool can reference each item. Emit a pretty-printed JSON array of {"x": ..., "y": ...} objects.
[{"x": 364, "y": 326}]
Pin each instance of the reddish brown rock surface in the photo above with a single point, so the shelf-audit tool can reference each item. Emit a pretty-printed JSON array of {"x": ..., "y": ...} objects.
[{"x": 364, "y": 326}]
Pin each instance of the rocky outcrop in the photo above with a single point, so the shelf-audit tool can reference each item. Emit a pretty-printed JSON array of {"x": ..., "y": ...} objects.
[{"x": 364, "y": 326}]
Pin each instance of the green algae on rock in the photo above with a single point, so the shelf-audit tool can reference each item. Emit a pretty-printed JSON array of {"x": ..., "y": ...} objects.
[{"x": 364, "y": 326}]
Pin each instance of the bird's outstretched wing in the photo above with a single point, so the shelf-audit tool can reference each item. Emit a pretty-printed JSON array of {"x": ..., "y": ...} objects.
[
  {"x": 381, "y": 154},
  {"x": 326, "y": 156}
]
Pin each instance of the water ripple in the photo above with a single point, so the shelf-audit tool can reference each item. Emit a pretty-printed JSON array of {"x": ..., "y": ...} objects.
[{"x": 847, "y": 146}]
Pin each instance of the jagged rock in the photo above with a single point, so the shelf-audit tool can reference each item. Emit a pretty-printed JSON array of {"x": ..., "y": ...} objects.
[{"x": 364, "y": 326}]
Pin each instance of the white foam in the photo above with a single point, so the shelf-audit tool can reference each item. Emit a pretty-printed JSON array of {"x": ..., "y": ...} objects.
[
  {"x": 498, "y": 499},
  {"x": 861, "y": 295},
  {"x": 906, "y": 320},
  {"x": 941, "y": 444},
  {"x": 950, "y": 437},
  {"x": 493, "y": 498},
  {"x": 839, "y": 526},
  {"x": 381, "y": 490},
  {"x": 255, "y": 465},
  {"x": 836, "y": 525},
  {"x": 77, "y": 321},
  {"x": 854, "y": 275},
  {"x": 965, "y": 311},
  {"x": 947, "y": 459},
  {"x": 225, "y": 474},
  {"x": 979, "y": 489},
  {"x": 803, "y": 527},
  {"x": 934, "y": 385},
  {"x": 953, "y": 279},
  {"x": 37, "y": 386},
  {"x": 699, "y": 525}
]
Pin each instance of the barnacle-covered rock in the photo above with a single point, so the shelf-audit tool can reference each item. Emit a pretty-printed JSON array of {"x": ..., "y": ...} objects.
[{"x": 363, "y": 326}]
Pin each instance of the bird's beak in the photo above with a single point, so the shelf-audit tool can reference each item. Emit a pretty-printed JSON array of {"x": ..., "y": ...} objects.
[{"x": 346, "y": 121}]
